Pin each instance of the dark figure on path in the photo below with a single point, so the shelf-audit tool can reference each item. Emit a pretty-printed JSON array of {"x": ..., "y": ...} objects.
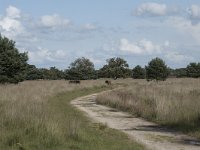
[
  {"x": 108, "y": 82},
  {"x": 74, "y": 82}
]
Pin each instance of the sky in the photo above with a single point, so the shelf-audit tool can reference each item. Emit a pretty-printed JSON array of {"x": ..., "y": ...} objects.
[{"x": 55, "y": 33}]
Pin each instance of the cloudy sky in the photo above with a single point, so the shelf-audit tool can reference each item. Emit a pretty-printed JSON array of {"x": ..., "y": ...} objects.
[{"x": 56, "y": 32}]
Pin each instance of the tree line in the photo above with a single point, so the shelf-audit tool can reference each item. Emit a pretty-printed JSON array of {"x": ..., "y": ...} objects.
[{"x": 14, "y": 68}]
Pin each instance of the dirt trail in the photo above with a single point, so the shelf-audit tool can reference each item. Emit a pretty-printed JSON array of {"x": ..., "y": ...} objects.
[{"x": 147, "y": 133}]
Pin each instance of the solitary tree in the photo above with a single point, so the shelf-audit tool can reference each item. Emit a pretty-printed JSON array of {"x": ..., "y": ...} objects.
[
  {"x": 12, "y": 63},
  {"x": 193, "y": 70},
  {"x": 138, "y": 72},
  {"x": 156, "y": 70},
  {"x": 81, "y": 68},
  {"x": 115, "y": 68}
]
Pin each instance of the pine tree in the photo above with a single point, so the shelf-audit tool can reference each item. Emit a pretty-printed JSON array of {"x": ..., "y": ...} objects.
[
  {"x": 157, "y": 70},
  {"x": 12, "y": 63},
  {"x": 138, "y": 72}
]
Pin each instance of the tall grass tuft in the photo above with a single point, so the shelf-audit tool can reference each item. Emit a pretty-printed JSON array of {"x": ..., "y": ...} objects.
[{"x": 73, "y": 127}]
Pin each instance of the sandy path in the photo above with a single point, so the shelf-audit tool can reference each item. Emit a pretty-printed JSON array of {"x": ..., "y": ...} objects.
[{"x": 147, "y": 133}]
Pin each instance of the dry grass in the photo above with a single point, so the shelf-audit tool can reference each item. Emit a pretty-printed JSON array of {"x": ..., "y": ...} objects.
[
  {"x": 25, "y": 111},
  {"x": 175, "y": 102},
  {"x": 37, "y": 115}
]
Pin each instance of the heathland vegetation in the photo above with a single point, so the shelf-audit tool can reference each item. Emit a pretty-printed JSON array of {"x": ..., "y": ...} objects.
[
  {"x": 174, "y": 103},
  {"x": 38, "y": 115}
]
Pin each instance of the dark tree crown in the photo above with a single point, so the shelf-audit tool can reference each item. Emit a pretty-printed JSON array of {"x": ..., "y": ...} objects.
[
  {"x": 157, "y": 70},
  {"x": 13, "y": 64}
]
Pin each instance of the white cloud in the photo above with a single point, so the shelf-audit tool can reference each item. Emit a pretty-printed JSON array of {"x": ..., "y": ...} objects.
[
  {"x": 95, "y": 60},
  {"x": 194, "y": 12},
  {"x": 185, "y": 26},
  {"x": 142, "y": 47},
  {"x": 166, "y": 44},
  {"x": 125, "y": 45},
  {"x": 42, "y": 55},
  {"x": 152, "y": 9},
  {"x": 53, "y": 21},
  {"x": 13, "y": 12},
  {"x": 10, "y": 25},
  {"x": 178, "y": 58},
  {"x": 155, "y": 9},
  {"x": 89, "y": 26}
]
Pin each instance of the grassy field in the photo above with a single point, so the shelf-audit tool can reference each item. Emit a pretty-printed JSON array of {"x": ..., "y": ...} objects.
[
  {"x": 36, "y": 115},
  {"x": 174, "y": 103}
]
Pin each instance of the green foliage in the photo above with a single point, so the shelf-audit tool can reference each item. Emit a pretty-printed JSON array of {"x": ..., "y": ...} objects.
[
  {"x": 193, "y": 70},
  {"x": 56, "y": 74},
  {"x": 138, "y": 72},
  {"x": 52, "y": 74},
  {"x": 172, "y": 72},
  {"x": 81, "y": 69},
  {"x": 115, "y": 68},
  {"x": 156, "y": 70},
  {"x": 180, "y": 72},
  {"x": 33, "y": 73},
  {"x": 12, "y": 63}
]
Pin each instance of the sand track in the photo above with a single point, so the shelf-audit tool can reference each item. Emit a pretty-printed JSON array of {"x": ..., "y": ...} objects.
[{"x": 147, "y": 133}]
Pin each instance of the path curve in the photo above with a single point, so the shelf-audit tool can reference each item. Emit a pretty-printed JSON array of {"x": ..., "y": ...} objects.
[{"x": 147, "y": 133}]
